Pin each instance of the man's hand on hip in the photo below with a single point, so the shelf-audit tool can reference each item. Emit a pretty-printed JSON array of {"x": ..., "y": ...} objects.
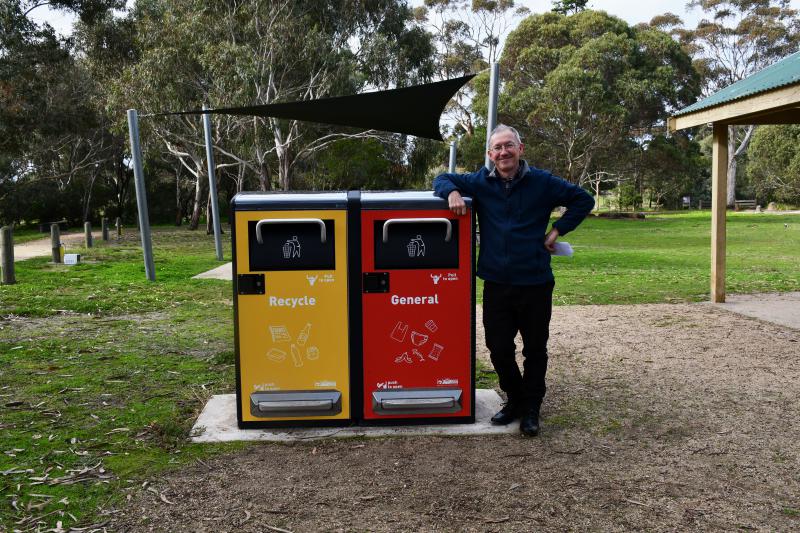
[
  {"x": 550, "y": 240},
  {"x": 456, "y": 203}
]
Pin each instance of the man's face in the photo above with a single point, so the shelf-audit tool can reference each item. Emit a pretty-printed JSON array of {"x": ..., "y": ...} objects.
[{"x": 504, "y": 151}]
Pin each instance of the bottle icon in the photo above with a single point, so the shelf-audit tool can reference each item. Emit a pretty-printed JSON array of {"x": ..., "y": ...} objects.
[
  {"x": 302, "y": 337},
  {"x": 298, "y": 362}
]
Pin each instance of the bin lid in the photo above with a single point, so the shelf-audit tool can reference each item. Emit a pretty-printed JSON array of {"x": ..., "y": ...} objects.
[
  {"x": 257, "y": 201},
  {"x": 404, "y": 200}
]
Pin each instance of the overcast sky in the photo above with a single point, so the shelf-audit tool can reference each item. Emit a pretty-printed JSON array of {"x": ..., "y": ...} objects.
[{"x": 631, "y": 11}]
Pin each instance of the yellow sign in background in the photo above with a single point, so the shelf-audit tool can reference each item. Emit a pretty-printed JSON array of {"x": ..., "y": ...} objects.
[{"x": 295, "y": 336}]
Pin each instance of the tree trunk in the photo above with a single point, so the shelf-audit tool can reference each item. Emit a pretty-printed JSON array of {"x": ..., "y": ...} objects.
[
  {"x": 733, "y": 155},
  {"x": 731, "y": 199},
  {"x": 264, "y": 181},
  {"x": 194, "y": 221},
  {"x": 178, "y": 202},
  {"x": 209, "y": 216}
]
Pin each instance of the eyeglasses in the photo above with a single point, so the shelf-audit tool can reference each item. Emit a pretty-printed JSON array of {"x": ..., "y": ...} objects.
[{"x": 507, "y": 146}]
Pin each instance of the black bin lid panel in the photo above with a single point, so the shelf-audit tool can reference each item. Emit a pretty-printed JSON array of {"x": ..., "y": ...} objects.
[
  {"x": 291, "y": 246},
  {"x": 415, "y": 246}
]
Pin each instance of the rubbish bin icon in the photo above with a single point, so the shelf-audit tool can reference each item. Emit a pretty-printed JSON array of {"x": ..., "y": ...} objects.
[
  {"x": 418, "y": 306},
  {"x": 290, "y": 313}
]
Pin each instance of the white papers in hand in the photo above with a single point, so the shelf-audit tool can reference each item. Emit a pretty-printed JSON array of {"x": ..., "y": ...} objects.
[{"x": 563, "y": 248}]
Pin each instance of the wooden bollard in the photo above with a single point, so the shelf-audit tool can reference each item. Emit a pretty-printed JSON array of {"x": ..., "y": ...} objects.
[
  {"x": 7, "y": 255},
  {"x": 87, "y": 234},
  {"x": 104, "y": 223},
  {"x": 118, "y": 225},
  {"x": 55, "y": 242}
]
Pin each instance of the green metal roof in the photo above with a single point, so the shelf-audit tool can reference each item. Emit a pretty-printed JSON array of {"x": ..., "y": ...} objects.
[{"x": 784, "y": 72}]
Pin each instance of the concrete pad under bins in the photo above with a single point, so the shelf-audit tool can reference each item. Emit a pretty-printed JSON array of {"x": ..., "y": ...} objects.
[
  {"x": 224, "y": 272},
  {"x": 217, "y": 423}
]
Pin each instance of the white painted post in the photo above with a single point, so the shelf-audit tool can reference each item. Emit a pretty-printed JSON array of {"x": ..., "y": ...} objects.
[{"x": 452, "y": 166}]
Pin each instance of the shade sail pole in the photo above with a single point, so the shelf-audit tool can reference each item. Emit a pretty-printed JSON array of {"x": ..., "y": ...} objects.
[
  {"x": 212, "y": 185},
  {"x": 719, "y": 193},
  {"x": 141, "y": 195},
  {"x": 451, "y": 167},
  {"x": 491, "y": 119}
]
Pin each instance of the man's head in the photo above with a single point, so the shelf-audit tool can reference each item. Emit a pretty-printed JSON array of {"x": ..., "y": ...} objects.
[{"x": 505, "y": 148}]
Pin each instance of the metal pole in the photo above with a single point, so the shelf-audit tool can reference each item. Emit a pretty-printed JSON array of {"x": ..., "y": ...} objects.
[
  {"x": 491, "y": 119},
  {"x": 452, "y": 166},
  {"x": 141, "y": 195},
  {"x": 212, "y": 183}
]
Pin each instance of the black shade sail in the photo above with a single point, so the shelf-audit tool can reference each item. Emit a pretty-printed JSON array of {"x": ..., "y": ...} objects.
[{"x": 414, "y": 110}]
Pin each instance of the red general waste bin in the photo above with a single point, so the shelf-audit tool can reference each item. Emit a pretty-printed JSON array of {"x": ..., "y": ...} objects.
[{"x": 418, "y": 296}]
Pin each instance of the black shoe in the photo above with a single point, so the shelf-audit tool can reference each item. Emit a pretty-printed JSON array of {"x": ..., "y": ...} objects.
[
  {"x": 507, "y": 414},
  {"x": 529, "y": 425}
]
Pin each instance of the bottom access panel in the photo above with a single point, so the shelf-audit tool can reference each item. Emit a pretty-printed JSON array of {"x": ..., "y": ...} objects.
[
  {"x": 416, "y": 401},
  {"x": 295, "y": 403}
]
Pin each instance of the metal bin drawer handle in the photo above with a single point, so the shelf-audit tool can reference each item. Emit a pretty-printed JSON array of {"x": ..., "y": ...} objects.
[
  {"x": 295, "y": 405},
  {"x": 323, "y": 235},
  {"x": 417, "y": 221},
  {"x": 417, "y": 403}
]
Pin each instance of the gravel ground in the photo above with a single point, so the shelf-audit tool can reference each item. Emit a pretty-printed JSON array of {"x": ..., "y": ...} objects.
[{"x": 658, "y": 418}]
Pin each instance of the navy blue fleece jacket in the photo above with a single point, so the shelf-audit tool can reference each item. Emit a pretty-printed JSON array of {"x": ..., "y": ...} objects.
[{"x": 513, "y": 219}]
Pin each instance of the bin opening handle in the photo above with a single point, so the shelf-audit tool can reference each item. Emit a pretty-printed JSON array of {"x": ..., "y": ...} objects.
[
  {"x": 323, "y": 234},
  {"x": 392, "y": 221}
]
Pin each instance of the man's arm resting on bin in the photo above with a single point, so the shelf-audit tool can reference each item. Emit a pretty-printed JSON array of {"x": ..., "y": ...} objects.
[{"x": 450, "y": 187}]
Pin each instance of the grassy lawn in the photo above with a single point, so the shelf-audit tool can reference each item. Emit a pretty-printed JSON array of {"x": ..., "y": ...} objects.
[
  {"x": 102, "y": 373},
  {"x": 667, "y": 258}
]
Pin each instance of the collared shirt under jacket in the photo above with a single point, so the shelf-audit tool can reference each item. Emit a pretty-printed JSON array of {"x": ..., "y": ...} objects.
[{"x": 513, "y": 217}]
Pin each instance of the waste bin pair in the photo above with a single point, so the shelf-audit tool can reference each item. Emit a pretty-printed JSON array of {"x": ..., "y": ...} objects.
[{"x": 353, "y": 307}]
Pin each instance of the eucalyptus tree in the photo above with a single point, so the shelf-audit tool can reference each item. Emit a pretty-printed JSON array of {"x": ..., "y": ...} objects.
[
  {"x": 468, "y": 36},
  {"x": 773, "y": 163},
  {"x": 588, "y": 84},
  {"x": 735, "y": 40},
  {"x": 263, "y": 52}
]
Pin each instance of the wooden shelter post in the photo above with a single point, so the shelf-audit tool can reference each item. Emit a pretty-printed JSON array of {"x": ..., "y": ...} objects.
[{"x": 719, "y": 191}]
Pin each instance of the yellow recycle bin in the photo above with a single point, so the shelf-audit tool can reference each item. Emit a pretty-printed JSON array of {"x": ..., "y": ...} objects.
[{"x": 291, "y": 316}]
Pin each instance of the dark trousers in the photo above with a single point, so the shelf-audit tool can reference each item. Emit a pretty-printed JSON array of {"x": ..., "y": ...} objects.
[{"x": 508, "y": 309}]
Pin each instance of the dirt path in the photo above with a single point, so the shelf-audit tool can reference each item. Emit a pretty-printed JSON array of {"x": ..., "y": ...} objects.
[
  {"x": 42, "y": 247},
  {"x": 658, "y": 417}
]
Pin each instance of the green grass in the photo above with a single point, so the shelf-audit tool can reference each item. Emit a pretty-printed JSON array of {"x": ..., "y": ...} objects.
[
  {"x": 102, "y": 372},
  {"x": 26, "y": 234},
  {"x": 667, "y": 258}
]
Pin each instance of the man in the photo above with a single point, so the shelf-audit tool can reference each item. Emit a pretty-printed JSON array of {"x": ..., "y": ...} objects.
[{"x": 513, "y": 203}]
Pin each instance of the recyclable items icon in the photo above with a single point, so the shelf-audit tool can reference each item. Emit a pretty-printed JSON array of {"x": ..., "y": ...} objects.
[
  {"x": 418, "y": 339},
  {"x": 399, "y": 332},
  {"x": 435, "y": 352},
  {"x": 431, "y": 326},
  {"x": 291, "y": 248},
  {"x": 298, "y": 361},
  {"x": 403, "y": 358},
  {"x": 276, "y": 355},
  {"x": 418, "y": 354},
  {"x": 416, "y": 247},
  {"x": 280, "y": 334},
  {"x": 312, "y": 353},
  {"x": 302, "y": 337}
]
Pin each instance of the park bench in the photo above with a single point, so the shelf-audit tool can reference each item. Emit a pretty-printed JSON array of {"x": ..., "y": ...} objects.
[
  {"x": 44, "y": 227},
  {"x": 744, "y": 204}
]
